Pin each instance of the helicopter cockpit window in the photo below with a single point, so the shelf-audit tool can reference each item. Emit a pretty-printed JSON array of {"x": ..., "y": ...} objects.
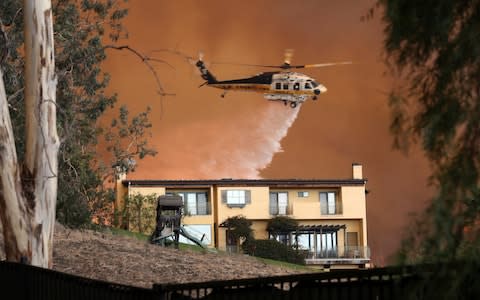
[
  {"x": 315, "y": 84},
  {"x": 278, "y": 86},
  {"x": 308, "y": 86}
]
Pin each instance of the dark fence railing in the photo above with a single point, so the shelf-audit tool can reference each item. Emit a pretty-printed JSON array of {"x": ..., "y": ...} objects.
[
  {"x": 24, "y": 282},
  {"x": 456, "y": 281},
  {"x": 388, "y": 283},
  {"x": 452, "y": 281}
]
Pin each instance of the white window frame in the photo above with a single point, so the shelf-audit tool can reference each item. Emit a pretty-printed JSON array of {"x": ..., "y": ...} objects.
[
  {"x": 236, "y": 197},
  {"x": 281, "y": 204},
  {"x": 190, "y": 202},
  {"x": 328, "y": 203},
  {"x": 303, "y": 194}
]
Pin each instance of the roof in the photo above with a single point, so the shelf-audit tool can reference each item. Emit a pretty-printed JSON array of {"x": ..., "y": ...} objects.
[{"x": 228, "y": 182}]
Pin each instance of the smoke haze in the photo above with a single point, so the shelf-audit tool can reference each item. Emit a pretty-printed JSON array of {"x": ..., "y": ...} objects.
[{"x": 200, "y": 135}]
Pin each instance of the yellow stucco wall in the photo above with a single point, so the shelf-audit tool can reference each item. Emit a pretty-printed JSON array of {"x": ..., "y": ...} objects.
[
  {"x": 146, "y": 190},
  {"x": 257, "y": 209},
  {"x": 305, "y": 209}
]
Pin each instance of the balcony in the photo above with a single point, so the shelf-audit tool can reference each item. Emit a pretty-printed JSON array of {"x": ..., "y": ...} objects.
[
  {"x": 281, "y": 211},
  {"x": 349, "y": 255}
]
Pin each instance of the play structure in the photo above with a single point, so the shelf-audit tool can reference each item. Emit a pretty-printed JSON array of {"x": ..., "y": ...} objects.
[{"x": 169, "y": 223}]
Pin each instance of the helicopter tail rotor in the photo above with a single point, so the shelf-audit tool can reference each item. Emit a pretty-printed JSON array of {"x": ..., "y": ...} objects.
[{"x": 204, "y": 72}]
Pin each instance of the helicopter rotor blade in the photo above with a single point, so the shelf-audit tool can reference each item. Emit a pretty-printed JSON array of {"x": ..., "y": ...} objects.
[
  {"x": 286, "y": 66},
  {"x": 246, "y": 65},
  {"x": 321, "y": 65}
]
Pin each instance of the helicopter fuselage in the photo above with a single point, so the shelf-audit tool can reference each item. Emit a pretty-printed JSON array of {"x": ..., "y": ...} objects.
[{"x": 289, "y": 87}]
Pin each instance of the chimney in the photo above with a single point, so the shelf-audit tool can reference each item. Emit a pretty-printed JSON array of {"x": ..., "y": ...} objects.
[{"x": 357, "y": 171}]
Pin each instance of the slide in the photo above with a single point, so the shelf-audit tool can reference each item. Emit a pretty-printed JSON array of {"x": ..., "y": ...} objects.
[
  {"x": 158, "y": 239},
  {"x": 184, "y": 232}
]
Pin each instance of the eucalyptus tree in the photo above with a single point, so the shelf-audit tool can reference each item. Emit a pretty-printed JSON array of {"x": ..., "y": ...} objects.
[
  {"x": 46, "y": 89},
  {"x": 29, "y": 187}
]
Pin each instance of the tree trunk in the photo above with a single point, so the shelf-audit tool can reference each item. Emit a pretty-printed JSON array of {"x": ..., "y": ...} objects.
[
  {"x": 41, "y": 161},
  {"x": 28, "y": 205},
  {"x": 14, "y": 213}
]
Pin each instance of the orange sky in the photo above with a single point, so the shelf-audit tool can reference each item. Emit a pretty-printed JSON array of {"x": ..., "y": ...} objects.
[{"x": 200, "y": 135}]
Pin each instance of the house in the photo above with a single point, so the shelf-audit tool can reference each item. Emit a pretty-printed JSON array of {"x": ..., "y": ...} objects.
[{"x": 331, "y": 213}]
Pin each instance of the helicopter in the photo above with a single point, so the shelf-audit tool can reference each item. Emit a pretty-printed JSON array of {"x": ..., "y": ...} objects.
[{"x": 284, "y": 85}]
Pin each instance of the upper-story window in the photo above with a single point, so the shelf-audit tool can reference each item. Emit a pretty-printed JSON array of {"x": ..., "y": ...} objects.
[
  {"x": 236, "y": 198},
  {"x": 329, "y": 204},
  {"x": 303, "y": 194},
  {"x": 278, "y": 203},
  {"x": 195, "y": 203}
]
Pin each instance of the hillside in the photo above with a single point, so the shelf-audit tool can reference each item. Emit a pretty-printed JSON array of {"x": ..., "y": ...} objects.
[{"x": 129, "y": 261}]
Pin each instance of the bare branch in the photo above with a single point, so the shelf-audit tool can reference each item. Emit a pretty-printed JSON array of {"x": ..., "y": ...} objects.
[
  {"x": 12, "y": 96},
  {"x": 185, "y": 56},
  {"x": 146, "y": 60}
]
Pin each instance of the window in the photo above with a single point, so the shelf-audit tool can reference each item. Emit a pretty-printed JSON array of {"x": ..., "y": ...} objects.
[
  {"x": 329, "y": 204},
  {"x": 302, "y": 194},
  {"x": 195, "y": 203},
  {"x": 283, "y": 238},
  {"x": 278, "y": 203},
  {"x": 308, "y": 86},
  {"x": 285, "y": 86},
  {"x": 236, "y": 198},
  {"x": 278, "y": 86}
]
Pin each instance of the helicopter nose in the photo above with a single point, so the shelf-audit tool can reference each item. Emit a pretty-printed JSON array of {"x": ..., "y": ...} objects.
[{"x": 321, "y": 89}]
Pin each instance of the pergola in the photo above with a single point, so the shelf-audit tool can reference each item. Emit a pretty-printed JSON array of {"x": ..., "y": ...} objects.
[{"x": 315, "y": 230}]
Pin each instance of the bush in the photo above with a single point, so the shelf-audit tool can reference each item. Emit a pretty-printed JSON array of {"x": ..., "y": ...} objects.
[
  {"x": 240, "y": 227},
  {"x": 272, "y": 249},
  {"x": 281, "y": 224}
]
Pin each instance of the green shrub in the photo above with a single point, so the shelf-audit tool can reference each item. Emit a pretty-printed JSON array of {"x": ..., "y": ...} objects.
[
  {"x": 240, "y": 227},
  {"x": 280, "y": 224},
  {"x": 273, "y": 250}
]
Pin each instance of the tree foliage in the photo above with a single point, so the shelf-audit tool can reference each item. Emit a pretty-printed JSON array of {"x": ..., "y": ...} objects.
[
  {"x": 240, "y": 227},
  {"x": 434, "y": 47},
  {"x": 281, "y": 224},
  {"x": 82, "y": 28}
]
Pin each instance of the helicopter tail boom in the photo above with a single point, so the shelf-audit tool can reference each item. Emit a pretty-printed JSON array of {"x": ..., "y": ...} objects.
[{"x": 205, "y": 73}]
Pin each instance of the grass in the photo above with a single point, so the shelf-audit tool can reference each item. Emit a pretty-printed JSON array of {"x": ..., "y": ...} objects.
[
  {"x": 287, "y": 265},
  {"x": 196, "y": 248},
  {"x": 123, "y": 232},
  {"x": 145, "y": 237}
]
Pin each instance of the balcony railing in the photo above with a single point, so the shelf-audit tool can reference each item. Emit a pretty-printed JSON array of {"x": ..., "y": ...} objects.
[
  {"x": 348, "y": 253},
  {"x": 288, "y": 211}
]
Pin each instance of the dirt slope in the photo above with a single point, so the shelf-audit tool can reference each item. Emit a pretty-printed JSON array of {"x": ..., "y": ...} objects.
[{"x": 129, "y": 261}]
